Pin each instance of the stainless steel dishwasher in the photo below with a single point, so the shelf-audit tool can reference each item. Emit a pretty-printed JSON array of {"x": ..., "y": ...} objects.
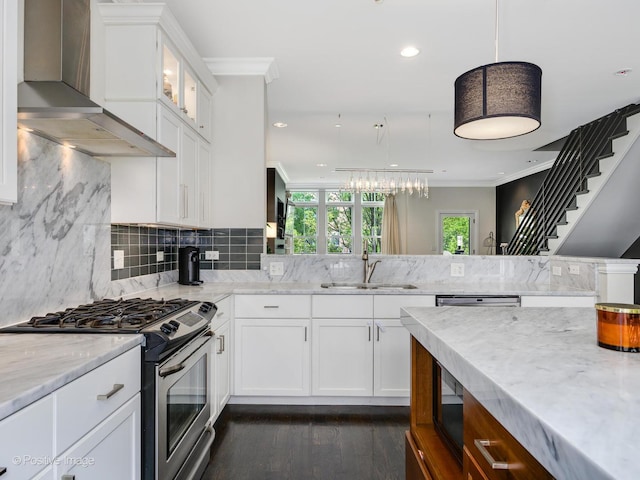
[
  {"x": 447, "y": 390},
  {"x": 478, "y": 300}
]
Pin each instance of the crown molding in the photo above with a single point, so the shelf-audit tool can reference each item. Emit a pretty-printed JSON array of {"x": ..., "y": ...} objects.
[
  {"x": 264, "y": 66},
  {"x": 281, "y": 171},
  {"x": 525, "y": 173}
]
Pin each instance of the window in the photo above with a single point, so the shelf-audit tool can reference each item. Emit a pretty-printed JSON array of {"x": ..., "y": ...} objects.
[
  {"x": 302, "y": 222},
  {"x": 457, "y": 232},
  {"x": 339, "y": 208},
  {"x": 332, "y": 221},
  {"x": 372, "y": 208}
]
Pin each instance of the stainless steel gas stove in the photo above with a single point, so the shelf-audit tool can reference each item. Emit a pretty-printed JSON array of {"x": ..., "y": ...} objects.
[{"x": 176, "y": 399}]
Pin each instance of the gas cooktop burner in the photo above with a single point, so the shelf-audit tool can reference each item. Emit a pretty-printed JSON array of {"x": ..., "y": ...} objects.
[{"x": 130, "y": 314}]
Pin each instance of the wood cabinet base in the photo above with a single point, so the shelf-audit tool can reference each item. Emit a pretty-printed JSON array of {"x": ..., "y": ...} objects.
[{"x": 415, "y": 467}]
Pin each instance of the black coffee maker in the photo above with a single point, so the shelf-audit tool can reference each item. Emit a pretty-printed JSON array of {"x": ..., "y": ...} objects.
[{"x": 188, "y": 266}]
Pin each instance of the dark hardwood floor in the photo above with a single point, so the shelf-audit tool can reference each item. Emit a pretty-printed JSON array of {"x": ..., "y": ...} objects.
[{"x": 269, "y": 442}]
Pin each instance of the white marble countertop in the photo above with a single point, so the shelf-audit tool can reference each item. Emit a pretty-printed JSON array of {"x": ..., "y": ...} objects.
[
  {"x": 32, "y": 365},
  {"x": 539, "y": 371},
  {"x": 213, "y": 291}
]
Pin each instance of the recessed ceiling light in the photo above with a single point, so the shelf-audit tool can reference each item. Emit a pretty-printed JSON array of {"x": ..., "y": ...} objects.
[
  {"x": 338, "y": 125},
  {"x": 321, "y": 164},
  {"x": 409, "y": 52},
  {"x": 500, "y": 173},
  {"x": 393, "y": 165},
  {"x": 623, "y": 72},
  {"x": 280, "y": 125}
]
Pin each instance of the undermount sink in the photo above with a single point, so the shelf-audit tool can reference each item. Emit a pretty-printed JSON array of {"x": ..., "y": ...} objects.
[{"x": 368, "y": 286}]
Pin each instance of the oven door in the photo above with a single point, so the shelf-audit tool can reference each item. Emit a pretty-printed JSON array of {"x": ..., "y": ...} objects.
[{"x": 183, "y": 410}]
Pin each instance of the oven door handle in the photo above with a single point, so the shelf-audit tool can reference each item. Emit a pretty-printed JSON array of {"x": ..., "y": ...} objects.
[{"x": 165, "y": 372}]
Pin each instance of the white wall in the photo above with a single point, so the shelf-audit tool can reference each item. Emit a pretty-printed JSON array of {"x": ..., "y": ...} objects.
[
  {"x": 239, "y": 173},
  {"x": 419, "y": 216}
]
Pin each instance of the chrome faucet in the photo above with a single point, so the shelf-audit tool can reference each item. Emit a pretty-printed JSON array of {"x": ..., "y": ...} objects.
[{"x": 368, "y": 268}]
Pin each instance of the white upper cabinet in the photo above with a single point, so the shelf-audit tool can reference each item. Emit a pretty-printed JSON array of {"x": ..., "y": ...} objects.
[
  {"x": 8, "y": 101},
  {"x": 155, "y": 80},
  {"x": 149, "y": 58}
]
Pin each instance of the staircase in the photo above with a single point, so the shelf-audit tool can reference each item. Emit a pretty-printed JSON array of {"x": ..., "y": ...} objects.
[{"x": 587, "y": 204}]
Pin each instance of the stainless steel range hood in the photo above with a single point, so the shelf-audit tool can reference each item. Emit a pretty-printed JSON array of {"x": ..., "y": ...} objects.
[{"x": 54, "y": 102}]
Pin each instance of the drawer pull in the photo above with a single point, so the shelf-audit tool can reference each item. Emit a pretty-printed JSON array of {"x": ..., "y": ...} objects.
[
  {"x": 116, "y": 388},
  {"x": 272, "y": 306},
  {"x": 3, "y": 470},
  {"x": 482, "y": 445},
  {"x": 68, "y": 477}
]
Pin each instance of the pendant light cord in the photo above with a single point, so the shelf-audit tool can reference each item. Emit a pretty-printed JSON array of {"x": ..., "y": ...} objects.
[{"x": 496, "y": 31}]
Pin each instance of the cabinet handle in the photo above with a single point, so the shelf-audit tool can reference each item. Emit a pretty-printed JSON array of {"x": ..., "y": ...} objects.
[
  {"x": 221, "y": 349},
  {"x": 305, "y": 334},
  {"x": 482, "y": 445},
  {"x": 3, "y": 470},
  {"x": 68, "y": 477},
  {"x": 272, "y": 306},
  {"x": 116, "y": 388},
  {"x": 377, "y": 333},
  {"x": 220, "y": 313},
  {"x": 369, "y": 327}
]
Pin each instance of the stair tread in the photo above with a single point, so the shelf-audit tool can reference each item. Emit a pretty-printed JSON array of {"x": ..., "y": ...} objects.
[
  {"x": 582, "y": 192},
  {"x": 618, "y": 135},
  {"x": 605, "y": 155}
]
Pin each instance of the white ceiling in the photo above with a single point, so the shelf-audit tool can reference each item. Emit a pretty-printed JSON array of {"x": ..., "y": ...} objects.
[{"x": 341, "y": 57}]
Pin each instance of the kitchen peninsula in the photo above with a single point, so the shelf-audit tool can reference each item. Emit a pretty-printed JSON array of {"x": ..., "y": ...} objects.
[{"x": 540, "y": 373}]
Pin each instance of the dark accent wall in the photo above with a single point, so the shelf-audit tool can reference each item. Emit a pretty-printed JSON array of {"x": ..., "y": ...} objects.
[
  {"x": 634, "y": 252},
  {"x": 509, "y": 196},
  {"x": 276, "y": 209}
]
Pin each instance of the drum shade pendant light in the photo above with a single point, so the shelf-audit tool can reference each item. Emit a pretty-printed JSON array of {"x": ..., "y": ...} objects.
[{"x": 499, "y": 100}]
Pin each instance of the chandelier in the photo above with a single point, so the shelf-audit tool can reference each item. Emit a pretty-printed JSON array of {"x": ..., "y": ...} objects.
[{"x": 386, "y": 181}]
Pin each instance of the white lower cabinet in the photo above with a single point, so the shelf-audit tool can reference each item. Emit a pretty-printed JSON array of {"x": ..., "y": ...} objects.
[
  {"x": 87, "y": 429},
  {"x": 342, "y": 357},
  {"x": 391, "y": 359},
  {"x": 557, "y": 301},
  {"x": 272, "y": 352},
  {"x": 220, "y": 368},
  {"x": 322, "y": 345},
  {"x": 222, "y": 371},
  {"x": 109, "y": 451},
  {"x": 26, "y": 441},
  {"x": 271, "y": 356}
]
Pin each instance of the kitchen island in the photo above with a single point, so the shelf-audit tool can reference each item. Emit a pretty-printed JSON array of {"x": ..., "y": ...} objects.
[{"x": 539, "y": 371}]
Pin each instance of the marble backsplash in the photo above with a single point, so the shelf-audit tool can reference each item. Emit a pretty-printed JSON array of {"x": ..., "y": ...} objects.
[
  {"x": 410, "y": 268},
  {"x": 54, "y": 241}
]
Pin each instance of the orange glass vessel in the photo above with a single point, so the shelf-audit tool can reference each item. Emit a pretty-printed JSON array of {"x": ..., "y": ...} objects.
[{"x": 619, "y": 326}]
